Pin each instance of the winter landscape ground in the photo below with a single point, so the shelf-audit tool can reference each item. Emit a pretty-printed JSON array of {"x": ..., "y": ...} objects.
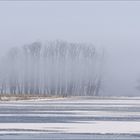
[{"x": 71, "y": 118}]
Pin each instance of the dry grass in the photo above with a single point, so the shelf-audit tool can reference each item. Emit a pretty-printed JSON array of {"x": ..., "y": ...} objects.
[{"x": 8, "y": 97}]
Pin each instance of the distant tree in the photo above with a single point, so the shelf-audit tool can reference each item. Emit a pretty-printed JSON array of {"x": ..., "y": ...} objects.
[
  {"x": 13, "y": 76},
  {"x": 57, "y": 68}
]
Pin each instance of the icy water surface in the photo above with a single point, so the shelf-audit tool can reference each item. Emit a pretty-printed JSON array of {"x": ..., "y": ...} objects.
[{"x": 72, "y": 118}]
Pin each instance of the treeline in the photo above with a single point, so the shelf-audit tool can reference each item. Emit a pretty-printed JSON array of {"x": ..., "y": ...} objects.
[{"x": 57, "y": 68}]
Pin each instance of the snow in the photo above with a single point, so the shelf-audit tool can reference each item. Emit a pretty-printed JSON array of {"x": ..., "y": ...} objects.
[
  {"x": 71, "y": 116},
  {"x": 102, "y": 127}
]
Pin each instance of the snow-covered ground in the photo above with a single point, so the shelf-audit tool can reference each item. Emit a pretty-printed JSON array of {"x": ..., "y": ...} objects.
[{"x": 71, "y": 118}]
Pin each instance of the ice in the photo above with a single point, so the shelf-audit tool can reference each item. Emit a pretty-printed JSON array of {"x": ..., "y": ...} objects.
[{"x": 79, "y": 118}]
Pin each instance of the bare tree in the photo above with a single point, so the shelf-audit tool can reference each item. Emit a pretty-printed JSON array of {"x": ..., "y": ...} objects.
[{"x": 57, "y": 68}]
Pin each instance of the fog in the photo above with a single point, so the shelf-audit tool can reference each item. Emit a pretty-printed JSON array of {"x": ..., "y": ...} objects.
[
  {"x": 112, "y": 26},
  {"x": 56, "y": 68}
]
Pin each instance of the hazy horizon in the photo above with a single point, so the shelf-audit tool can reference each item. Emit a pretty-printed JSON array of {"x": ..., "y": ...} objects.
[{"x": 113, "y": 26}]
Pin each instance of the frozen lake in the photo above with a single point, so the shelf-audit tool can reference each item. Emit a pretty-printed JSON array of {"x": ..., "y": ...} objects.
[{"x": 72, "y": 118}]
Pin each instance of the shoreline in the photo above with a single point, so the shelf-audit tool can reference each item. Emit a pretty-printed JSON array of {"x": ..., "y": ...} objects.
[{"x": 42, "y": 97}]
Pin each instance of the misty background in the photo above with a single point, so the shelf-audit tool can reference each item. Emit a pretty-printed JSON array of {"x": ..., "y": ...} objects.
[{"x": 113, "y": 26}]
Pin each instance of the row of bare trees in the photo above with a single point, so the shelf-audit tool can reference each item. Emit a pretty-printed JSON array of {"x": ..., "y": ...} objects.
[{"x": 57, "y": 68}]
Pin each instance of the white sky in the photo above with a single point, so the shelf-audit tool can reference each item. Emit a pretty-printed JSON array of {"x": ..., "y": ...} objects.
[{"x": 112, "y": 25}]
